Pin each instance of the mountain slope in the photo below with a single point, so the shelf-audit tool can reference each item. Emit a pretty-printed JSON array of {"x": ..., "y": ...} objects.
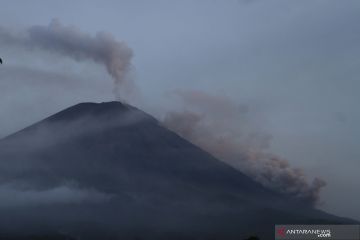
[{"x": 109, "y": 170}]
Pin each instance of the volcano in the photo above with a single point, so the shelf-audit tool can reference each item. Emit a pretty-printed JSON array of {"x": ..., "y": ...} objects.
[{"x": 111, "y": 171}]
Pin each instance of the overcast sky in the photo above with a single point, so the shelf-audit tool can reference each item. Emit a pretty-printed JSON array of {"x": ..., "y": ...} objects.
[{"x": 294, "y": 63}]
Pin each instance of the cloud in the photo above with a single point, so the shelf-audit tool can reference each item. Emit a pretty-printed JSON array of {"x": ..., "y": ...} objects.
[
  {"x": 69, "y": 41},
  {"x": 12, "y": 196},
  {"x": 227, "y": 131}
]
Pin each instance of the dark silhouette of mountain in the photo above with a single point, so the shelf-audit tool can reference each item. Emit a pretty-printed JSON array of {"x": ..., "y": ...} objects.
[{"x": 111, "y": 171}]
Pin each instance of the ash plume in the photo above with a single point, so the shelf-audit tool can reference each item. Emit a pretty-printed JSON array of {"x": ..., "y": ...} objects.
[
  {"x": 227, "y": 131},
  {"x": 216, "y": 124},
  {"x": 69, "y": 41}
]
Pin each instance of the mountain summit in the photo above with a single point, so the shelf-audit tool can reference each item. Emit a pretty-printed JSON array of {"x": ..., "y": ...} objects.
[{"x": 111, "y": 171}]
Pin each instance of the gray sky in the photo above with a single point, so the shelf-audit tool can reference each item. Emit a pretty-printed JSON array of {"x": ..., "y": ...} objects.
[{"x": 294, "y": 63}]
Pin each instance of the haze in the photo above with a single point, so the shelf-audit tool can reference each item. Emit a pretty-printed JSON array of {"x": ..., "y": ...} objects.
[{"x": 293, "y": 64}]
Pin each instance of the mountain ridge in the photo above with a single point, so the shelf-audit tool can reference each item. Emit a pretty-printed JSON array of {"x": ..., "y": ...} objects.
[{"x": 143, "y": 176}]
